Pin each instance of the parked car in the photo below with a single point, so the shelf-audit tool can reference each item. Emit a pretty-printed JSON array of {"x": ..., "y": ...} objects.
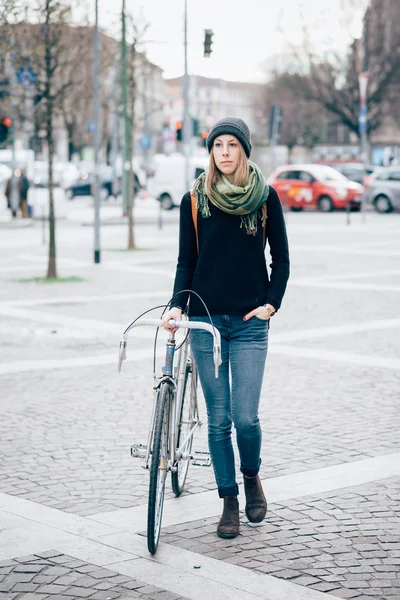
[
  {"x": 383, "y": 189},
  {"x": 84, "y": 187},
  {"x": 315, "y": 186},
  {"x": 167, "y": 184},
  {"x": 354, "y": 171}
]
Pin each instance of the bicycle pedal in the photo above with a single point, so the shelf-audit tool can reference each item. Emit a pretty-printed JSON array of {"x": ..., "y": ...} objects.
[
  {"x": 201, "y": 459},
  {"x": 138, "y": 451}
]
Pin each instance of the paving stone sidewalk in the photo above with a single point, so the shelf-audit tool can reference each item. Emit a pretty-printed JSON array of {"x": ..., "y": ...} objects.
[
  {"x": 67, "y": 445},
  {"x": 345, "y": 543},
  {"x": 55, "y": 576}
]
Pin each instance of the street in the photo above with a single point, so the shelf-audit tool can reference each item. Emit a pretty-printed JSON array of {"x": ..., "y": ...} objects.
[{"x": 73, "y": 501}]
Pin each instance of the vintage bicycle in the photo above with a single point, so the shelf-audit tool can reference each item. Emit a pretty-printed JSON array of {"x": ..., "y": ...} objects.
[{"x": 174, "y": 421}]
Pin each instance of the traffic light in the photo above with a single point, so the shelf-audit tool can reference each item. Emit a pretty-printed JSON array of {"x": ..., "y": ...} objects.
[
  {"x": 275, "y": 122},
  {"x": 196, "y": 127},
  {"x": 4, "y": 88},
  {"x": 208, "y": 34},
  {"x": 5, "y": 127},
  {"x": 179, "y": 131},
  {"x": 204, "y": 136}
]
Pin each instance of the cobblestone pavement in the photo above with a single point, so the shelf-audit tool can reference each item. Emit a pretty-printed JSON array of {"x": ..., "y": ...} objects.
[
  {"x": 331, "y": 393},
  {"x": 67, "y": 445},
  {"x": 346, "y": 542},
  {"x": 55, "y": 576}
]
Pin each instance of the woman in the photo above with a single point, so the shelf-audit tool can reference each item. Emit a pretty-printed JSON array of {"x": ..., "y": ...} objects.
[{"x": 223, "y": 261}]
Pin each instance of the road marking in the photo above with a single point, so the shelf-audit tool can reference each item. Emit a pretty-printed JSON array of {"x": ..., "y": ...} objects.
[
  {"x": 162, "y": 294},
  {"x": 340, "y": 249},
  {"x": 344, "y": 275},
  {"x": 369, "y": 287},
  {"x": 113, "y": 265},
  {"x": 348, "y": 358},
  {"x": 314, "y": 333},
  {"x": 90, "y": 325},
  {"x": 18, "y": 366}
]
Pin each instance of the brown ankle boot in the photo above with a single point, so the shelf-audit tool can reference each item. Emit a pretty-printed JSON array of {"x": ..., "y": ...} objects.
[
  {"x": 228, "y": 526},
  {"x": 256, "y": 504}
]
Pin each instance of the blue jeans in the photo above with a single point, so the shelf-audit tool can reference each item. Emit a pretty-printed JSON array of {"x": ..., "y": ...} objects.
[{"x": 232, "y": 399}]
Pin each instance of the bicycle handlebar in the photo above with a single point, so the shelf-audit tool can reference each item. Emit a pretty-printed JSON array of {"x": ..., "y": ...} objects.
[{"x": 180, "y": 325}]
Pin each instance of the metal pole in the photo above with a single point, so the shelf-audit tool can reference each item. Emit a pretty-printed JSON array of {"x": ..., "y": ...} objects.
[
  {"x": 114, "y": 126},
  {"x": 43, "y": 225},
  {"x": 363, "y": 117},
  {"x": 124, "y": 102},
  {"x": 97, "y": 136},
  {"x": 13, "y": 89},
  {"x": 186, "y": 117}
]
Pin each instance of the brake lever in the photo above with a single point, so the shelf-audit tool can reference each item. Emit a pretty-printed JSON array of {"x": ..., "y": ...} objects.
[
  {"x": 217, "y": 360},
  {"x": 122, "y": 352}
]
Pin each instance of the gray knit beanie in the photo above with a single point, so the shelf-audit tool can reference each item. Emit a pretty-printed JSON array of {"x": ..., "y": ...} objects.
[{"x": 233, "y": 126}]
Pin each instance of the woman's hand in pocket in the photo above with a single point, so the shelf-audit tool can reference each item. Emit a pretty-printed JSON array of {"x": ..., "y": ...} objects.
[{"x": 261, "y": 312}]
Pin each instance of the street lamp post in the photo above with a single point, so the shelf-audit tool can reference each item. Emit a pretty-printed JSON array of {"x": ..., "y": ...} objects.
[
  {"x": 126, "y": 177},
  {"x": 186, "y": 117},
  {"x": 97, "y": 135},
  {"x": 363, "y": 116}
]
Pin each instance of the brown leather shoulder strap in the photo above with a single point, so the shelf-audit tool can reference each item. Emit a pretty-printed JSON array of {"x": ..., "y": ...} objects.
[
  {"x": 264, "y": 208},
  {"x": 194, "y": 216}
]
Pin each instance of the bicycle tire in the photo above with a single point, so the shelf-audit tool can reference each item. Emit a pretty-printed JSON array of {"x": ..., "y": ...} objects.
[
  {"x": 158, "y": 468},
  {"x": 188, "y": 415}
]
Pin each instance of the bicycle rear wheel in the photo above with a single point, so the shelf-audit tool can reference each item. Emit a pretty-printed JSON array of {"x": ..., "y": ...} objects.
[
  {"x": 187, "y": 419},
  {"x": 158, "y": 468}
]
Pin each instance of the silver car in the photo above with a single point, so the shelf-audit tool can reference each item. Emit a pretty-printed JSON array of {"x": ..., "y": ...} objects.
[{"x": 384, "y": 189}]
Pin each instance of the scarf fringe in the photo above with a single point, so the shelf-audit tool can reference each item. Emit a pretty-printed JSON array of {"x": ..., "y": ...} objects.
[{"x": 202, "y": 199}]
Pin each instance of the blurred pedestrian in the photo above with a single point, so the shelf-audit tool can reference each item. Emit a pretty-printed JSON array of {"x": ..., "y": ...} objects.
[
  {"x": 225, "y": 222},
  {"x": 23, "y": 194},
  {"x": 22, "y": 184},
  {"x": 8, "y": 193}
]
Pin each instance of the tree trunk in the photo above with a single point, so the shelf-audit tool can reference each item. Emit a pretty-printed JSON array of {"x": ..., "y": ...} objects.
[
  {"x": 131, "y": 237},
  {"x": 132, "y": 186},
  {"x": 52, "y": 268}
]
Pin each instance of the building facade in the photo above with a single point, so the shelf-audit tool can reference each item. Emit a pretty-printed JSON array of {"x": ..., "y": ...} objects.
[{"x": 209, "y": 100}]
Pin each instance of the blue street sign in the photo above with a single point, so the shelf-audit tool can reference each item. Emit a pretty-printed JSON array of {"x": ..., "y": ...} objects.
[
  {"x": 91, "y": 126},
  {"x": 362, "y": 119},
  {"x": 25, "y": 77},
  {"x": 145, "y": 141}
]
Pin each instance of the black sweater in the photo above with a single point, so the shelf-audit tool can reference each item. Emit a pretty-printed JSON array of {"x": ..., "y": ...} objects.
[{"x": 230, "y": 271}]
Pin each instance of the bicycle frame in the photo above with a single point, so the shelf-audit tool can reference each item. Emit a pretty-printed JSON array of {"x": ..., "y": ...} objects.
[{"x": 176, "y": 381}]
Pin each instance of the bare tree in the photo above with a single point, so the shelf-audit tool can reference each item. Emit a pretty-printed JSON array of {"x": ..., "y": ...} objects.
[
  {"x": 302, "y": 120},
  {"x": 55, "y": 47},
  {"x": 137, "y": 29},
  {"x": 333, "y": 76},
  {"x": 76, "y": 101}
]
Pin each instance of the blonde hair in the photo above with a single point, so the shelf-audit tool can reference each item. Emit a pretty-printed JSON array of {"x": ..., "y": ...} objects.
[{"x": 240, "y": 176}]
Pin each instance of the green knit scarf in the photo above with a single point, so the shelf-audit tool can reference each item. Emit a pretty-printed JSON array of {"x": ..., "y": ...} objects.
[{"x": 246, "y": 202}]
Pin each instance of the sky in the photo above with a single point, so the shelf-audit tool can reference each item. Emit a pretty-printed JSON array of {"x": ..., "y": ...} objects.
[{"x": 250, "y": 36}]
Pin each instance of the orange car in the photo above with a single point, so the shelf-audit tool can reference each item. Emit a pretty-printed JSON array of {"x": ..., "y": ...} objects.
[{"x": 315, "y": 186}]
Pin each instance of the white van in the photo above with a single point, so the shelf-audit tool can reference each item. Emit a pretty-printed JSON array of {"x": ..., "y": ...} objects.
[{"x": 167, "y": 184}]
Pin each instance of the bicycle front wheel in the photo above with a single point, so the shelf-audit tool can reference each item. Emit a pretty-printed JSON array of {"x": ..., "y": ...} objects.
[
  {"x": 158, "y": 468},
  {"x": 187, "y": 419}
]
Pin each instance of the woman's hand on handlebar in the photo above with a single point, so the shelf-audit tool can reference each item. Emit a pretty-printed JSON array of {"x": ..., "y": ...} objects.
[{"x": 175, "y": 314}]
